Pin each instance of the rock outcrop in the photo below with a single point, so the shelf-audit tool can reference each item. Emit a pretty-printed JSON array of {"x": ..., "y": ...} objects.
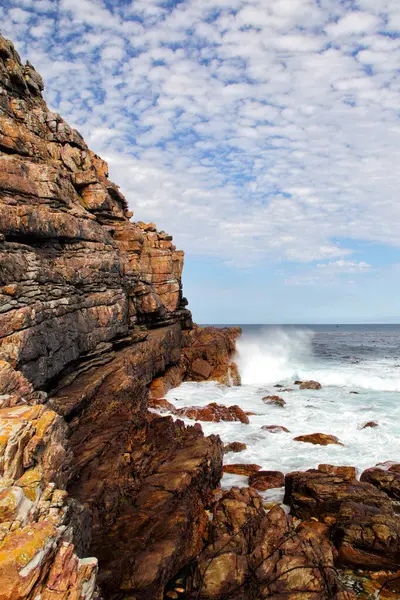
[{"x": 92, "y": 315}]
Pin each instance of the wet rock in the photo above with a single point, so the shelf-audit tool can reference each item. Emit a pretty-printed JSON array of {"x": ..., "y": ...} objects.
[
  {"x": 386, "y": 481},
  {"x": 317, "y": 494},
  {"x": 234, "y": 447},
  {"x": 255, "y": 555},
  {"x": 320, "y": 439},
  {"x": 369, "y": 424},
  {"x": 274, "y": 400},
  {"x": 241, "y": 469},
  {"x": 208, "y": 354},
  {"x": 161, "y": 404},
  {"x": 275, "y": 429},
  {"x": 214, "y": 412},
  {"x": 346, "y": 473},
  {"x": 367, "y": 537},
  {"x": 266, "y": 480},
  {"x": 297, "y": 382},
  {"x": 395, "y": 468},
  {"x": 310, "y": 385}
]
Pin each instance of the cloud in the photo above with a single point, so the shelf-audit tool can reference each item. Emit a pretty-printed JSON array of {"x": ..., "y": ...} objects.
[{"x": 253, "y": 131}]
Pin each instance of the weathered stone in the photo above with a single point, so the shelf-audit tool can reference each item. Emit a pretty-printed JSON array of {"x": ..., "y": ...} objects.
[
  {"x": 275, "y": 429},
  {"x": 265, "y": 480},
  {"x": 310, "y": 385},
  {"x": 320, "y": 439},
  {"x": 274, "y": 400},
  {"x": 234, "y": 447},
  {"x": 214, "y": 412},
  {"x": 317, "y": 494},
  {"x": 386, "y": 481},
  {"x": 241, "y": 469},
  {"x": 210, "y": 348}
]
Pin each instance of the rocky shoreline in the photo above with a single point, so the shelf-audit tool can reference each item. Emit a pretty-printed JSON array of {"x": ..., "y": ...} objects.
[{"x": 101, "y": 496}]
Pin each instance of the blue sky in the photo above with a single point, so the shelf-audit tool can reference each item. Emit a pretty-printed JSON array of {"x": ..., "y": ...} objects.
[{"x": 263, "y": 134}]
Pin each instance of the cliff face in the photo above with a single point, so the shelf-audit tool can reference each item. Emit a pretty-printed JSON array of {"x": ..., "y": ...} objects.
[
  {"x": 77, "y": 275},
  {"x": 91, "y": 313}
]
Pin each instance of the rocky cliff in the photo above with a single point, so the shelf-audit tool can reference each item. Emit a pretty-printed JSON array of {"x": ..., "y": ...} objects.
[{"x": 91, "y": 315}]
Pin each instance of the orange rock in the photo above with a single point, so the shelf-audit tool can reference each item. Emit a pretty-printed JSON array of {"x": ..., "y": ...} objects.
[
  {"x": 347, "y": 473},
  {"x": 321, "y": 439},
  {"x": 266, "y": 480},
  {"x": 234, "y": 447},
  {"x": 274, "y": 400},
  {"x": 369, "y": 424},
  {"x": 214, "y": 412},
  {"x": 239, "y": 469}
]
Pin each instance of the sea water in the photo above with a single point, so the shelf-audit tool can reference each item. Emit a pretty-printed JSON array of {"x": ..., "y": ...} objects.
[{"x": 344, "y": 359}]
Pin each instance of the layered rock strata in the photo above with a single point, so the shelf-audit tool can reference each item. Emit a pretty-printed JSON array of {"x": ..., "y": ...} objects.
[{"x": 91, "y": 313}]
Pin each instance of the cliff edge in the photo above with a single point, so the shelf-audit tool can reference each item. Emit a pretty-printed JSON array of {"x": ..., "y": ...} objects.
[{"x": 91, "y": 315}]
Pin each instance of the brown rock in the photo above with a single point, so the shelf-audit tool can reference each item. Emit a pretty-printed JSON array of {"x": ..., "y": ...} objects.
[
  {"x": 266, "y": 480},
  {"x": 208, "y": 355},
  {"x": 161, "y": 404},
  {"x": 241, "y": 469},
  {"x": 386, "y": 481},
  {"x": 234, "y": 447},
  {"x": 310, "y": 385},
  {"x": 275, "y": 428},
  {"x": 369, "y": 424},
  {"x": 317, "y": 494},
  {"x": 252, "y": 554},
  {"x": 346, "y": 473},
  {"x": 214, "y": 412},
  {"x": 320, "y": 439},
  {"x": 274, "y": 400}
]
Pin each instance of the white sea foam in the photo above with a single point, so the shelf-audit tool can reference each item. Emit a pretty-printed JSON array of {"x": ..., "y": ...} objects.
[{"x": 280, "y": 356}]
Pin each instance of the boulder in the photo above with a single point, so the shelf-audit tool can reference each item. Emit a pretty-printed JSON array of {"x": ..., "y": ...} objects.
[
  {"x": 386, "y": 481},
  {"x": 317, "y": 494},
  {"x": 346, "y": 473},
  {"x": 241, "y": 469},
  {"x": 310, "y": 385},
  {"x": 274, "y": 400},
  {"x": 369, "y": 424},
  {"x": 213, "y": 412},
  {"x": 275, "y": 428},
  {"x": 234, "y": 447},
  {"x": 320, "y": 439},
  {"x": 253, "y": 555},
  {"x": 266, "y": 480}
]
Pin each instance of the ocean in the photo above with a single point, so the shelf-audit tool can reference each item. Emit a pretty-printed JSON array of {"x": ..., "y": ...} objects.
[{"x": 345, "y": 359}]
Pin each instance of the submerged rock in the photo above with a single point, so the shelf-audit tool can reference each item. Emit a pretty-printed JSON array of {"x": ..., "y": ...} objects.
[
  {"x": 275, "y": 428},
  {"x": 274, "y": 400},
  {"x": 310, "y": 385},
  {"x": 265, "y": 480},
  {"x": 234, "y": 447},
  {"x": 370, "y": 424}
]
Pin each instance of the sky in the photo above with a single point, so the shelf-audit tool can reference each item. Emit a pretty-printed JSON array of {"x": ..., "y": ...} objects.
[{"x": 264, "y": 135}]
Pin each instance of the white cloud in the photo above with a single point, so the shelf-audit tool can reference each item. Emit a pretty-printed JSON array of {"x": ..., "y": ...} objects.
[{"x": 251, "y": 129}]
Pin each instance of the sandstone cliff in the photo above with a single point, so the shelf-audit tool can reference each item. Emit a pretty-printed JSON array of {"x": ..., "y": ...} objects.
[{"x": 91, "y": 313}]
